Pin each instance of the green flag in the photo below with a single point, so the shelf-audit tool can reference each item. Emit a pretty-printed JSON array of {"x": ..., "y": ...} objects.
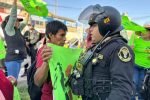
[
  {"x": 16, "y": 94},
  {"x": 130, "y": 25},
  {"x": 61, "y": 58},
  {"x": 2, "y": 50},
  {"x": 35, "y": 7}
]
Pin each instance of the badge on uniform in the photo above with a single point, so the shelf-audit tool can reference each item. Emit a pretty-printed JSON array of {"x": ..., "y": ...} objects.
[
  {"x": 94, "y": 61},
  {"x": 124, "y": 54},
  {"x": 100, "y": 56},
  {"x": 79, "y": 67}
]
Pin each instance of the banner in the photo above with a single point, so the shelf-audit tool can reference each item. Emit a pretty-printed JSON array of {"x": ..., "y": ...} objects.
[
  {"x": 60, "y": 60},
  {"x": 35, "y": 7},
  {"x": 16, "y": 94},
  {"x": 129, "y": 25}
]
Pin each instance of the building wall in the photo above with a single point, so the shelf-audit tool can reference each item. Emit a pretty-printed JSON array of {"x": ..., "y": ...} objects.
[{"x": 10, "y": 2}]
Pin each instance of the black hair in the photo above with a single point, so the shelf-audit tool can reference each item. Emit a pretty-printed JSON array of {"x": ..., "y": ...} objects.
[
  {"x": 54, "y": 26},
  {"x": 5, "y": 22}
]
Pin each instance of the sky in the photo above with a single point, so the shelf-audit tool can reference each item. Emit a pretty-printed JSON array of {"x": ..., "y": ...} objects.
[{"x": 138, "y": 10}]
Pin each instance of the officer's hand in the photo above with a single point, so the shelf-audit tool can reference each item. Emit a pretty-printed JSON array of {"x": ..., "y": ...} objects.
[
  {"x": 46, "y": 53},
  {"x": 68, "y": 70}
]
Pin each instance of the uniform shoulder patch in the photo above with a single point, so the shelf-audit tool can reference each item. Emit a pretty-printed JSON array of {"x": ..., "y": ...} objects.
[{"x": 124, "y": 54}]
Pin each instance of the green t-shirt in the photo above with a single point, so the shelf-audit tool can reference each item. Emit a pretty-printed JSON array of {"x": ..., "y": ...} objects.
[
  {"x": 141, "y": 50},
  {"x": 2, "y": 50}
]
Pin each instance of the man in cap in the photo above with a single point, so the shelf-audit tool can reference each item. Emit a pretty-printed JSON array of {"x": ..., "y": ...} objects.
[
  {"x": 16, "y": 45},
  {"x": 104, "y": 71}
]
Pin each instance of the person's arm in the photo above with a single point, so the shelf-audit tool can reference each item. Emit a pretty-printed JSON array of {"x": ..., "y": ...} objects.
[
  {"x": 12, "y": 19},
  {"x": 42, "y": 72},
  {"x": 121, "y": 71},
  {"x": 131, "y": 41},
  {"x": 24, "y": 23}
]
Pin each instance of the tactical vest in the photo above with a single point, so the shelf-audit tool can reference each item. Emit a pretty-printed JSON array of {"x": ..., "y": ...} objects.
[
  {"x": 16, "y": 46},
  {"x": 95, "y": 83}
]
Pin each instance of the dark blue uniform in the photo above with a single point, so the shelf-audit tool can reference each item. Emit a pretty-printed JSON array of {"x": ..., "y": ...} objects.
[{"x": 108, "y": 74}]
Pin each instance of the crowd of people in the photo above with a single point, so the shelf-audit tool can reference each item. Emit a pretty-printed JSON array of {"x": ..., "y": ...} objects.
[{"x": 111, "y": 68}]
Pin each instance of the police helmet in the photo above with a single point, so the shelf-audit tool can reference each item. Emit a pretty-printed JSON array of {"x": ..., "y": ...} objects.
[{"x": 107, "y": 18}]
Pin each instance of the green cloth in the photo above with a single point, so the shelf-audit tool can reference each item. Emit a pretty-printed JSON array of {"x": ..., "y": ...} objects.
[
  {"x": 16, "y": 94},
  {"x": 2, "y": 50},
  {"x": 141, "y": 50},
  {"x": 130, "y": 25},
  {"x": 61, "y": 58},
  {"x": 35, "y": 7}
]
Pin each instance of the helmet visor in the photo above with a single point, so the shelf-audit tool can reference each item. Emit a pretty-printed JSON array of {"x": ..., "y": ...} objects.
[{"x": 89, "y": 13}]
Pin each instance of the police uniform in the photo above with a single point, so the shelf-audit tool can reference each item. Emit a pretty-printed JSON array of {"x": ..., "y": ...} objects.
[{"x": 107, "y": 73}]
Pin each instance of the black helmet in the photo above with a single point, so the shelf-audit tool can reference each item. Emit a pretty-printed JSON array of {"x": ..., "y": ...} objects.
[{"x": 107, "y": 18}]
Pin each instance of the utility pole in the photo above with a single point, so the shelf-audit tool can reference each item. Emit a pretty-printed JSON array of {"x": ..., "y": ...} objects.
[{"x": 56, "y": 5}]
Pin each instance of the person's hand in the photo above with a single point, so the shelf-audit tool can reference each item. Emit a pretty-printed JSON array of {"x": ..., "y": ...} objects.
[
  {"x": 12, "y": 80},
  {"x": 46, "y": 53},
  {"x": 149, "y": 56},
  {"x": 68, "y": 70},
  {"x": 27, "y": 16}
]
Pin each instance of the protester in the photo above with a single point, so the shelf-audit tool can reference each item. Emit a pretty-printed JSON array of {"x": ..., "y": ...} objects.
[
  {"x": 16, "y": 46},
  {"x": 140, "y": 43},
  {"x": 32, "y": 37},
  {"x": 56, "y": 34},
  {"x": 6, "y": 85}
]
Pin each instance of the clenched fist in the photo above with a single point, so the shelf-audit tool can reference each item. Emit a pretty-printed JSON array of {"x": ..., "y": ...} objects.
[
  {"x": 12, "y": 80},
  {"x": 46, "y": 53}
]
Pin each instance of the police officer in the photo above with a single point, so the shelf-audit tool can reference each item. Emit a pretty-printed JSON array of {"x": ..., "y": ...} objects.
[{"x": 105, "y": 71}]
